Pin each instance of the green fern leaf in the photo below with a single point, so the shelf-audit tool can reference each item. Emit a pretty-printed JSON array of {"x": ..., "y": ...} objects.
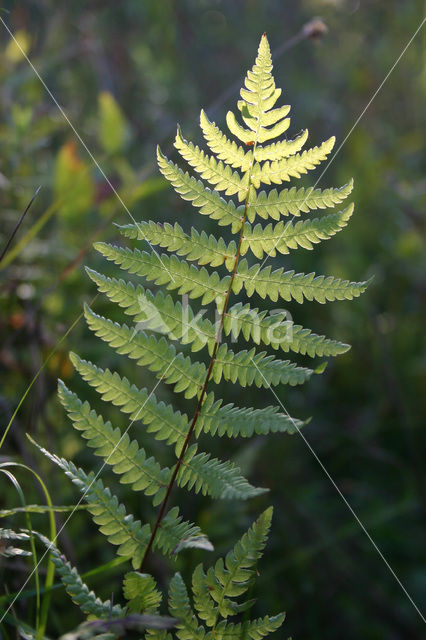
[
  {"x": 177, "y": 274},
  {"x": 225, "y": 149},
  {"x": 161, "y": 419},
  {"x": 124, "y": 455},
  {"x": 119, "y": 528},
  {"x": 249, "y": 367},
  {"x": 210, "y": 203},
  {"x": 258, "y": 98},
  {"x": 198, "y": 472},
  {"x": 122, "y": 529},
  {"x": 175, "y": 534},
  {"x": 158, "y": 312},
  {"x": 237, "y": 171},
  {"x": 198, "y": 246},
  {"x": 296, "y": 201},
  {"x": 215, "y": 478},
  {"x": 253, "y": 629},
  {"x": 158, "y": 355},
  {"x": 245, "y": 422},
  {"x": 214, "y": 171},
  {"x": 140, "y": 589},
  {"x": 79, "y": 592},
  {"x": 289, "y": 285},
  {"x": 232, "y": 577},
  {"x": 212, "y": 593},
  {"x": 282, "y": 170},
  {"x": 187, "y": 627},
  {"x": 278, "y": 332},
  {"x": 282, "y": 149},
  {"x": 282, "y": 237}
]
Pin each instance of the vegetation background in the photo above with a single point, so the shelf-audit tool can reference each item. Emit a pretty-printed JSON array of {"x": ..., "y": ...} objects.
[{"x": 125, "y": 73}]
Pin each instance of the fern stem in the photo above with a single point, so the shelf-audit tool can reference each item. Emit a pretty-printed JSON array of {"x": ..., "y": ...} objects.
[{"x": 203, "y": 390}]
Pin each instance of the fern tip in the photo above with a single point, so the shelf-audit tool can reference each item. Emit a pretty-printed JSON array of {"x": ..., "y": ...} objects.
[
  {"x": 88, "y": 313},
  {"x": 74, "y": 358},
  {"x": 90, "y": 272},
  {"x": 99, "y": 246}
]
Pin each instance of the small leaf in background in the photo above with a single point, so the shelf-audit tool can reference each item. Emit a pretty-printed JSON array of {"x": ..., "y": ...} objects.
[
  {"x": 20, "y": 43},
  {"x": 112, "y": 124},
  {"x": 73, "y": 182},
  {"x": 21, "y": 116},
  {"x": 140, "y": 590}
]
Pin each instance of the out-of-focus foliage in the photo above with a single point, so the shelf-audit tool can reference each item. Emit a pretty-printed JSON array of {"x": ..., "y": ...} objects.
[{"x": 161, "y": 62}]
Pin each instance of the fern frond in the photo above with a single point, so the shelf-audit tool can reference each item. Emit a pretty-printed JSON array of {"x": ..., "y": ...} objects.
[
  {"x": 198, "y": 472},
  {"x": 214, "y": 171},
  {"x": 140, "y": 590},
  {"x": 177, "y": 274},
  {"x": 253, "y": 629},
  {"x": 203, "y": 603},
  {"x": 122, "y": 529},
  {"x": 124, "y": 456},
  {"x": 235, "y": 421},
  {"x": 274, "y": 117},
  {"x": 157, "y": 312},
  {"x": 209, "y": 250},
  {"x": 161, "y": 419},
  {"x": 231, "y": 577},
  {"x": 290, "y": 285},
  {"x": 282, "y": 237},
  {"x": 295, "y": 201},
  {"x": 249, "y": 367},
  {"x": 225, "y": 149},
  {"x": 180, "y": 607},
  {"x": 212, "y": 593},
  {"x": 215, "y": 478},
  {"x": 209, "y": 202},
  {"x": 119, "y": 528},
  {"x": 238, "y": 172},
  {"x": 197, "y": 246},
  {"x": 258, "y": 98},
  {"x": 159, "y": 356},
  {"x": 278, "y": 332},
  {"x": 173, "y": 426},
  {"x": 160, "y": 313},
  {"x": 280, "y": 150},
  {"x": 175, "y": 534},
  {"x": 79, "y": 592},
  {"x": 281, "y": 170}
]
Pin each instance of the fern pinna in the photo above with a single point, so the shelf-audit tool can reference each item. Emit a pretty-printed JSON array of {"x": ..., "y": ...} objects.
[{"x": 237, "y": 170}]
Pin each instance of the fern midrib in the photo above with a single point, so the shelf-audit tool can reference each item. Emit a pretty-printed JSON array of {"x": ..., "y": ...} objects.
[
  {"x": 232, "y": 279},
  {"x": 208, "y": 375}
]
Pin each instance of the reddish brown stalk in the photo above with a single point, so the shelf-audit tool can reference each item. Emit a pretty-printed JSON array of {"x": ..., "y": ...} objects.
[{"x": 203, "y": 392}]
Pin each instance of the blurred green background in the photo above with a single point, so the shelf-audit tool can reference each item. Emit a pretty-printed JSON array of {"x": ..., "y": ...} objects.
[{"x": 125, "y": 73}]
